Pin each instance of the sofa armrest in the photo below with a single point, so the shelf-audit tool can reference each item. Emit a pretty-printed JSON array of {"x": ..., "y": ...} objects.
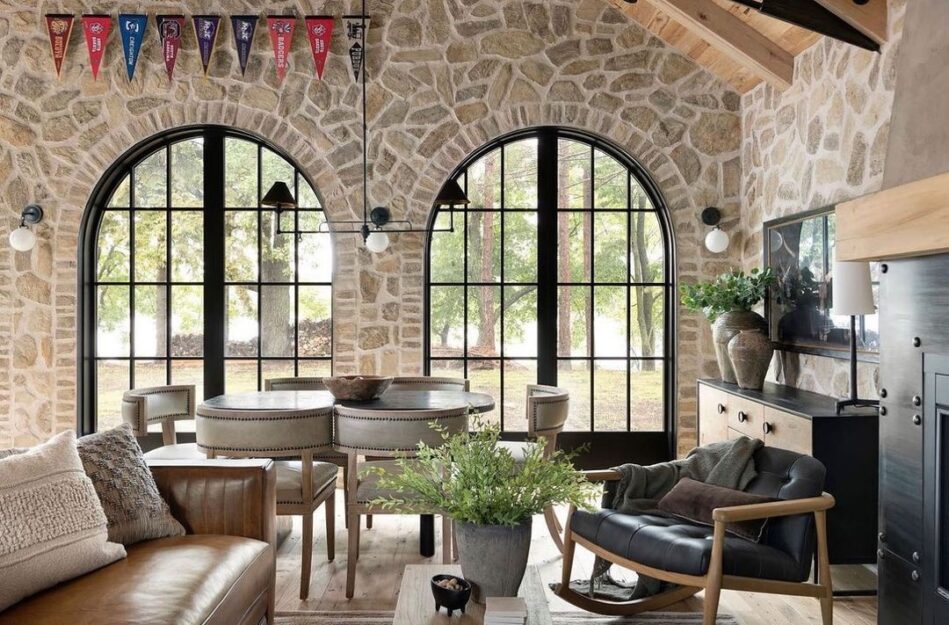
[
  {"x": 230, "y": 497},
  {"x": 602, "y": 475}
]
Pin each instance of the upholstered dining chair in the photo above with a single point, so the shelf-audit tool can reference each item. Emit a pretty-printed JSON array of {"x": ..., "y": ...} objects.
[
  {"x": 390, "y": 435},
  {"x": 547, "y": 410},
  {"x": 429, "y": 383},
  {"x": 302, "y": 485},
  {"x": 162, "y": 405},
  {"x": 697, "y": 556}
]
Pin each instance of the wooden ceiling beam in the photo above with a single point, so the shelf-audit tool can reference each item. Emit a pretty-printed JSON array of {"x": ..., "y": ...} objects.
[
  {"x": 871, "y": 19},
  {"x": 731, "y": 36}
]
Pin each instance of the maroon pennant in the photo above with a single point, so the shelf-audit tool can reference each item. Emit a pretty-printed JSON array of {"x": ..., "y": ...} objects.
[
  {"x": 170, "y": 29},
  {"x": 59, "y": 28},
  {"x": 319, "y": 30},
  {"x": 96, "y": 28}
]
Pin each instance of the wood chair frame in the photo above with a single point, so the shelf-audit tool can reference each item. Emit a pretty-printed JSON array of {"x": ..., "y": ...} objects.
[
  {"x": 139, "y": 397},
  {"x": 714, "y": 581}
]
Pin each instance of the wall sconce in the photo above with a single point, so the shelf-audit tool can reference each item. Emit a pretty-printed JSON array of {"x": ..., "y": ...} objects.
[
  {"x": 717, "y": 240},
  {"x": 23, "y": 239}
]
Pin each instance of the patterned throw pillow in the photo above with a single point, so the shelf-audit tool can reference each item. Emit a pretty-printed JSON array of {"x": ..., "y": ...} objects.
[
  {"x": 135, "y": 509},
  {"x": 52, "y": 527}
]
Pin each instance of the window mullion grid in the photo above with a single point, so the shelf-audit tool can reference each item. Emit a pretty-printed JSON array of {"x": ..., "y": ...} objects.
[
  {"x": 629, "y": 323},
  {"x": 295, "y": 288},
  {"x": 169, "y": 278},
  {"x": 464, "y": 301},
  {"x": 501, "y": 289},
  {"x": 592, "y": 279},
  {"x": 260, "y": 266},
  {"x": 131, "y": 286}
]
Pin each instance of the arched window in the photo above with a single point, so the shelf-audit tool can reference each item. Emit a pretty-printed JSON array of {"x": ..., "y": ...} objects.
[
  {"x": 185, "y": 279},
  {"x": 559, "y": 272}
]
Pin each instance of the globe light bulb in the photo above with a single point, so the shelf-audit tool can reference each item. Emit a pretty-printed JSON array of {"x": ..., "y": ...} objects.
[
  {"x": 22, "y": 239},
  {"x": 716, "y": 241},
  {"x": 377, "y": 242}
]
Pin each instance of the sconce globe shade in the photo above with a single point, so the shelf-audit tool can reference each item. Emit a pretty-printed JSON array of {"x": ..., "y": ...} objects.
[
  {"x": 377, "y": 242},
  {"x": 22, "y": 239},
  {"x": 716, "y": 241}
]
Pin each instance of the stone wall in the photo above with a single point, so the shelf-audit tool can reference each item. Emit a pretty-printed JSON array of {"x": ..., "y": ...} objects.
[
  {"x": 446, "y": 78},
  {"x": 821, "y": 142}
]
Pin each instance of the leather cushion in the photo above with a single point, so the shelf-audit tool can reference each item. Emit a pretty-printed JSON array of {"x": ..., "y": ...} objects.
[
  {"x": 674, "y": 545},
  {"x": 186, "y": 451},
  {"x": 695, "y": 501},
  {"x": 185, "y": 580},
  {"x": 290, "y": 479}
]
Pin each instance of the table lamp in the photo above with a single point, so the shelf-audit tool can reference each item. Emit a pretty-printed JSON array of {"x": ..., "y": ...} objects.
[{"x": 853, "y": 296}]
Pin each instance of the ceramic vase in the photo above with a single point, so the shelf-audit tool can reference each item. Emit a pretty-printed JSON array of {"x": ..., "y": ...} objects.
[
  {"x": 493, "y": 557},
  {"x": 750, "y": 352},
  {"x": 725, "y": 328}
]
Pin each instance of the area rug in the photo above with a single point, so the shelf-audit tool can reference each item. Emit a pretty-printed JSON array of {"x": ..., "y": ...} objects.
[{"x": 559, "y": 618}]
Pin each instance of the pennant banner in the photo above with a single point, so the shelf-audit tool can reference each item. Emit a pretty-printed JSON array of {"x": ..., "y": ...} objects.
[
  {"x": 319, "y": 30},
  {"x": 132, "y": 30},
  {"x": 205, "y": 31},
  {"x": 355, "y": 36},
  {"x": 96, "y": 29},
  {"x": 169, "y": 32},
  {"x": 59, "y": 28},
  {"x": 244, "y": 27},
  {"x": 281, "y": 36}
]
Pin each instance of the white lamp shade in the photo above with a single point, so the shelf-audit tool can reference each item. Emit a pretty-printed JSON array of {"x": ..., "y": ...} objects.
[
  {"x": 853, "y": 289},
  {"x": 716, "y": 241},
  {"x": 22, "y": 239},
  {"x": 377, "y": 242}
]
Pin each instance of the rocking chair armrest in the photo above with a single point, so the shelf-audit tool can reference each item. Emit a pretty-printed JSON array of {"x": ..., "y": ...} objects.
[
  {"x": 790, "y": 507},
  {"x": 602, "y": 475}
]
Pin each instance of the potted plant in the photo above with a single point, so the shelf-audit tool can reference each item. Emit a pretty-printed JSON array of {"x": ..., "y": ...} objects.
[
  {"x": 490, "y": 496},
  {"x": 727, "y": 303}
]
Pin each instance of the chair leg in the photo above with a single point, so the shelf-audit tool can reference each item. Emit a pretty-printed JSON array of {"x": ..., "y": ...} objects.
[
  {"x": 330, "y": 505},
  {"x": 713, "y": 585},
  {"x": 352, "y": 555},
  {"x": 368, "y": 521},
  {"x": 446, "y": 539},
  {"x": 307, "y": 555},
  {"x": 346, "y": 493},
  {"x": 568, "y": 550},
  {"x": 827, "y": 601},
  {"x": 553, "y": 526},
  {"x": 454, "y": 543}
]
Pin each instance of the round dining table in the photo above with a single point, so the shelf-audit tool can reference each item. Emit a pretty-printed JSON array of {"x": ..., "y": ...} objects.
[{"x": 272, "y": 405}]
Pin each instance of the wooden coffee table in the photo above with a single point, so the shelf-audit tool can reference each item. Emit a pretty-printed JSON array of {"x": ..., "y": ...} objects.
[{"x": 417, "y": 607}]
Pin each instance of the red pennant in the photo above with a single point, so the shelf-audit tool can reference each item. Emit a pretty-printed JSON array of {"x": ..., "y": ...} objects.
[
  {"x": 96, "y": 28},
  {"x": 281, "y": 36},
  {"x": 170, "y": 29},
  {"x": 319, "y": 30},
  {"x": 59, "y": 28}
]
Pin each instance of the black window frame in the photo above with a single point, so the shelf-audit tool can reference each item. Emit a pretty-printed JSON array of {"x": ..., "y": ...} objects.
[
  {"x": 214, "y": 281},
  {"x": 619, "y": 445}
]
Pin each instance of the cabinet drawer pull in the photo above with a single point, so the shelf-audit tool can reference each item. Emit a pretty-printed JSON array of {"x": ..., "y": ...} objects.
[
  {"x": 915, "y": 576},
  {"x": 721, "y": 409},
  {"x": 915, "y": 557},
  {"x": 917, "y": 420},
  {"x": 767, "y": 427},
  {"x": 742, "y": 416}
]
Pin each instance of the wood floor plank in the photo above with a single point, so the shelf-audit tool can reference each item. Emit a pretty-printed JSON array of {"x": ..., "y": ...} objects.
[{"x": 393, "y": 542}]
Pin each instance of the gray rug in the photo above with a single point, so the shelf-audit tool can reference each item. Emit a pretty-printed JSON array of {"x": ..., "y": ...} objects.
[{"x": 560, "y": 618}]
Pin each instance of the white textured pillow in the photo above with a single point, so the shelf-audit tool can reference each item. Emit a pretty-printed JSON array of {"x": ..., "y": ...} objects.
[{"x": 52, "y": 527}]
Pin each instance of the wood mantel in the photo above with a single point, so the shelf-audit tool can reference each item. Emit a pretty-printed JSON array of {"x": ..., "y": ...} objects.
[{"x": 908, "y": 220}]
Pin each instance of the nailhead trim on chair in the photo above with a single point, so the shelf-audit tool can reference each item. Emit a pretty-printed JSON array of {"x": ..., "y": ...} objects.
[
  {"x": 308, "y": 415},
  {"x": 254, "y": 450}
]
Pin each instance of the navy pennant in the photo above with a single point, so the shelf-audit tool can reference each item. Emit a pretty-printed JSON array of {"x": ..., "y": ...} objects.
[{"x": 244, "y": 27}]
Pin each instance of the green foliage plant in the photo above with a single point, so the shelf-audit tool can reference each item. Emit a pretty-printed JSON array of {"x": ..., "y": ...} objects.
[
  {"x": 473, "y": 480},
  {"x": 731, "y": 291}
]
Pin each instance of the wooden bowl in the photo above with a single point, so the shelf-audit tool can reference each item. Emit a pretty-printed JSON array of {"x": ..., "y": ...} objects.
[
  {"x": 451, "y": 599},
  {"x": 357, "y": 387}
]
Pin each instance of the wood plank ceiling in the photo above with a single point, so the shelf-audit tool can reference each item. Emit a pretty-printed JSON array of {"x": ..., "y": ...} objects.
[{"x": 669, "y": 20}]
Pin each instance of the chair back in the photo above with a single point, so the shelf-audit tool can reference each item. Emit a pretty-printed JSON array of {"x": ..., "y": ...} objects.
[
  {"x": 784, "y": 474},
  {"x": 294, "y": 384},
  {"x": 395, "y": 433},
  {"x": 429, "y": 383},
  {"x": 547, "y": 410},
  {"x": 164, "y": 405},
  {"x": 257, "y": 434}
]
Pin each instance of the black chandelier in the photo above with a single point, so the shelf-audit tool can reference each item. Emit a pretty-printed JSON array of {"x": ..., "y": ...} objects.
[{"x": 376, "y": 224}]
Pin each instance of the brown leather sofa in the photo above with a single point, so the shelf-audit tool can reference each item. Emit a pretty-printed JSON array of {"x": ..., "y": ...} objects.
[{"x": 221, "y": 573}]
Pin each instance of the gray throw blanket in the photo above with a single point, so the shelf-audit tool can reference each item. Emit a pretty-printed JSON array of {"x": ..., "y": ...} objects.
[{"x": 729, "y": 464}]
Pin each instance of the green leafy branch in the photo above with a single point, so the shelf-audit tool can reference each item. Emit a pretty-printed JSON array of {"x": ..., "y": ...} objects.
[{"x": 731, "y": 291}]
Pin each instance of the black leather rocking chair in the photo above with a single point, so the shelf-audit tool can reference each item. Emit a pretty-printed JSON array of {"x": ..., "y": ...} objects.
[{"x": 680, "y": 552}]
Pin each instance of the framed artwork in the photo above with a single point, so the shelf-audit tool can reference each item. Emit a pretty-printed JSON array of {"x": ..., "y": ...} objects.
[{"x": 800, "y": 251}]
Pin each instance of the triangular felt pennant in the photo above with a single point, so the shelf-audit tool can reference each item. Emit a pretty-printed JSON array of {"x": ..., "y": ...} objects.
[
  {"x": 205, "y": 31},
  {"x": 169, "y": 32},
  {"x": 281, "y": 36},
  {"x": 355, "y": 24},
  {"x": 319, "y": 30},
  {"x": 244, "y": 27},
  {"x": 132, "y": 30},
  {"x": 96, "y": 29},
  {"x": 59, "y": 28}
]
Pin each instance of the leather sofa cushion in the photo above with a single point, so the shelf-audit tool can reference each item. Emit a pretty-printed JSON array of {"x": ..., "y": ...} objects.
[
  {"x": 182, "y": 451},
  {"x": 675, "y": 545},
  {"x": 695, "y": 501},
  {"x": 183, "y": 580},
  {"x": 290, "y": 479}
]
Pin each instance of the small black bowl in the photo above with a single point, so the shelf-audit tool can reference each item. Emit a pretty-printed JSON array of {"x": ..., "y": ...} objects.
[{"x": 451, "y": 599}]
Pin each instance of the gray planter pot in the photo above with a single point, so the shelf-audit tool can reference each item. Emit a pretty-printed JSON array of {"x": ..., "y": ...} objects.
[
  {"x": 493, "y": 557},
  {"x": 725, "y": 328},
  {"x": 750, "y": 352}
]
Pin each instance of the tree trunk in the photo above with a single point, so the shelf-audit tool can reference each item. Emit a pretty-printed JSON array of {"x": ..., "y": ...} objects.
[
  {"x": 588, "y": 262},
  {"x": 161, "y": 313},
  {"x": 564, "y": 329},
  {"x": 487, "y": 315},
  {"x": 275, "y": 303},
  {"x": 645, "y": 299}
]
